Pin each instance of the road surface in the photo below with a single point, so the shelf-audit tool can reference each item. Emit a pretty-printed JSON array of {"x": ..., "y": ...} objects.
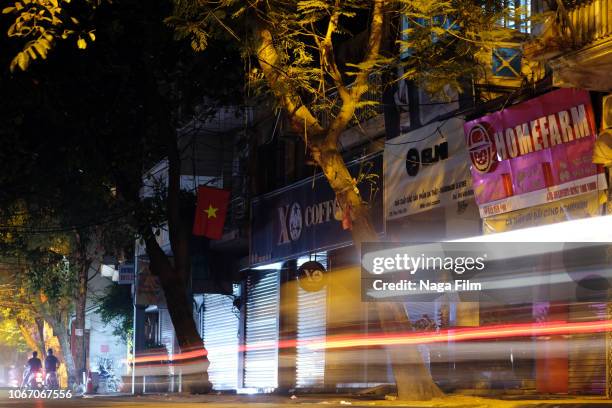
[{"x": 262, "y": 401}]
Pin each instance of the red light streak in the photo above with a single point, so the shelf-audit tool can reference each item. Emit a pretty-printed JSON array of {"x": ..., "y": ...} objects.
[
  {"x": 464, "y": 334},
  {"x": 164, "y": 357},
  {"x": 395, "y": 339}
]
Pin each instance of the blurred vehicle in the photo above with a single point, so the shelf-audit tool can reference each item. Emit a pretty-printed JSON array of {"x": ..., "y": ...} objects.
[
  {"x": 33, "y": 379},
  {"x": 33, "y": 374}
]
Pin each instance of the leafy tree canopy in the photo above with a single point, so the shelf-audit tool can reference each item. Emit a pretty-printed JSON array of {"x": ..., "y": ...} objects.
[{"x": 116, "y": 309}]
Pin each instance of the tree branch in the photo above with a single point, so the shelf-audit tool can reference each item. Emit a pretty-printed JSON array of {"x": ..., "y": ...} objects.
[
  {"x": 327, "y": 55},
  {"x": 157, "y": 257},
  {"x": 299, "y": 115},
  {"x": 179, "y": 235},
  {"x": 360, "y": 85}
]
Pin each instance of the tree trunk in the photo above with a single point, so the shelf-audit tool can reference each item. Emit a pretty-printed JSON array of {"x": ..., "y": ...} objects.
[
  {"x": 180, "y": 308},
  {"x": 174, "y": 278},
  {"x": 61, "y": 331},
  {"x": 40, "y": 326},
  {"x": 79, "y": 321},
  {"x": 413, "y": 380}
]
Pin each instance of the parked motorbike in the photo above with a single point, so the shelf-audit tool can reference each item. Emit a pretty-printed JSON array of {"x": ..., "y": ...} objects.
[{"x": 109, "y": 382}]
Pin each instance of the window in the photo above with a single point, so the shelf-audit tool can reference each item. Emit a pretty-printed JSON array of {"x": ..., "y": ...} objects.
[
  {"x": 439, "y": 21},
  {"x": 521, "y": 11},
  {"x": 506, "y": 62}
]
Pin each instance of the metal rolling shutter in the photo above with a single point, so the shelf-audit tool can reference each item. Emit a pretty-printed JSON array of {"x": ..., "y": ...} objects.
[
  {"x": 166, "y": 331},
  {"x": 587, "y": 352},
  {"x": 197, "y": 318},
  {"x": 220, "y": 328},
  {"x": 262, "y": 308},
  {"x": 200, "y": 323},
  {"x": 168, "y": 339},
  {"x": 311, "y": 324}
]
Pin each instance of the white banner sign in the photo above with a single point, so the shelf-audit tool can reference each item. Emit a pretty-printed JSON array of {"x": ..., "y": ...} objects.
[
  {"x": 426, "y": 168},
  {"x": 571, "y": 189}
]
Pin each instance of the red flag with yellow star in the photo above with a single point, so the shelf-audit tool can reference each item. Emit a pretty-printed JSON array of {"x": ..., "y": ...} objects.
[{"x": 210, "y": 212}]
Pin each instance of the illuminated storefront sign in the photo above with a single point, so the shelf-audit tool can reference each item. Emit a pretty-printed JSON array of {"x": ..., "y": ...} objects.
[
  {"x": 534, "y": 153},
  {"x": 304, "y": 217},
  {"x": 426, "y": 168}
]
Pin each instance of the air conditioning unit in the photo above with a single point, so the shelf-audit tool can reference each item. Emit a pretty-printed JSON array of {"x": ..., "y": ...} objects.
[{"x": 106, "y": 270}]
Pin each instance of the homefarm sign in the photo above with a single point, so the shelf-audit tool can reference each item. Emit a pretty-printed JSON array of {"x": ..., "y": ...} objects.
[{"x": 534, "y": 153}]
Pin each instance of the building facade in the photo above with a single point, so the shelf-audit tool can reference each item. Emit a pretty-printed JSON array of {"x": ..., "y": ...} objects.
[{"x": 507, "y": 157}]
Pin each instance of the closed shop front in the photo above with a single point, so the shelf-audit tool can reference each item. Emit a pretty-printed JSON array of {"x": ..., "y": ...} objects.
[
  {"x": 350, "y": 368},
  {"x": 164, "y": 379},
  {"x": 291, "y": 226},
  {"x": 587, "y": 363},
  {"x": 311, "y": 327},
  {"x": 429, "y": 198},
  {"x": 220, "y": 335},
  {"x": 166, "y": 332},
  {"x": 261, "y": 334},
  {"x": 535, "y": 177}
]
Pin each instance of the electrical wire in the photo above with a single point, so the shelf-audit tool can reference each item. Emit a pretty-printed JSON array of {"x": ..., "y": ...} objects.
[{"x": 436, "y": 131}]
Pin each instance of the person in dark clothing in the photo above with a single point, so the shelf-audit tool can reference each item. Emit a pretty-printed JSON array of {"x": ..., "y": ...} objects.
[
  {"x": 34, "y": 364},
  {"x": 51, "y": 362}
]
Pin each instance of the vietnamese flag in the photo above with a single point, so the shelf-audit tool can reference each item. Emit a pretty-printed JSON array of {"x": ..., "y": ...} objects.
[{"x": 210, "y": 212}]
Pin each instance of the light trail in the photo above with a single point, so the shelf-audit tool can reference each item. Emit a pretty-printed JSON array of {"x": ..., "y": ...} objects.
[
  {"x": 163, "y": 358},
  {"x": 464, "y": 334},
  {"x": 398, "y": 339}
]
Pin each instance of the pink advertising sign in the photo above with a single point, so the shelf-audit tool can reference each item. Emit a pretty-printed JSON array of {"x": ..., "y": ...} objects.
[
  {"x": 531, "y": 147},
  {"x": 529, "y": 173}
]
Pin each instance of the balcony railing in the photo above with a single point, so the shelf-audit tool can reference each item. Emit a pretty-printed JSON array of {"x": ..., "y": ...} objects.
[
  {"x": 590, "y": 22},
  {"x": 574, "y": 26}
]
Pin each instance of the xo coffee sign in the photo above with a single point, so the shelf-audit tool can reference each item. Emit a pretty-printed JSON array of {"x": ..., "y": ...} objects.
[
  {"x": 311, "y": 276},
  {"x": 305, "y": 217}
]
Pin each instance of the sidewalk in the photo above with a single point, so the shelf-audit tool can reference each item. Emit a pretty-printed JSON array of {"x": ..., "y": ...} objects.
[{"x": 451, "y": 401}]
